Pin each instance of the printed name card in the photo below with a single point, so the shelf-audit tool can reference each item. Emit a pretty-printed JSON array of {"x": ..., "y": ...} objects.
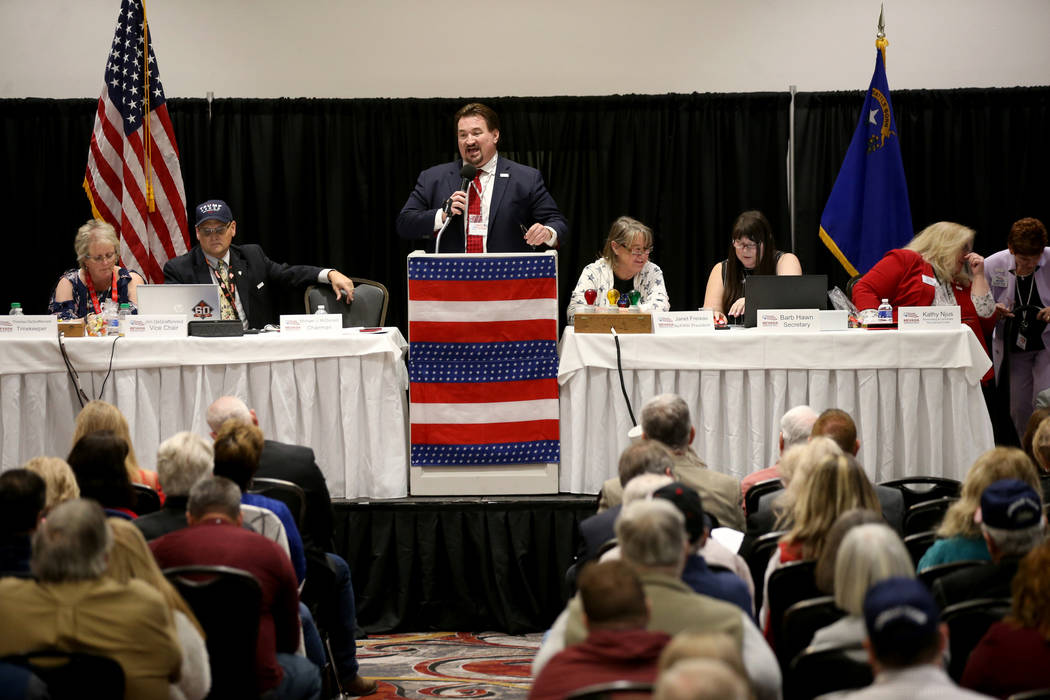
[
  {"x": 28, "y": 326},
  {"x": 683, "y": 322},
  {"x": 792, "y": 320},
  {"x": 154, "y": 325},
  {"x": 313, "y": 324},
  {"x": 914, "y": 318}
]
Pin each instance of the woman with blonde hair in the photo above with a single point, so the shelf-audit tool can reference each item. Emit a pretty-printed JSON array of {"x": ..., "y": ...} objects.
[
  {"x": 98, "y": 277},
  {"x": 58, "y": 477},
  {"x": 99, "y": 415},
  {"x": 959, "y": 537}
]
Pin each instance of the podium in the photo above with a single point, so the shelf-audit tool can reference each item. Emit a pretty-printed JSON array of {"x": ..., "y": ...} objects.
[{"x": 483, "y": 373}]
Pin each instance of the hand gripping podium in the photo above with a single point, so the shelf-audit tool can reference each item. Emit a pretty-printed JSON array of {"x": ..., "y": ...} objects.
[{"x": 483, "y": 373}]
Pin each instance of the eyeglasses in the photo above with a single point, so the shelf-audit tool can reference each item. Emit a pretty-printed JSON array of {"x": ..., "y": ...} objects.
[
  {"x": 739, "y": 244},
  {"x": 638, "y": 252},
  {"x": 213, "y": 230},
  {"x": 108, "y": 257}
]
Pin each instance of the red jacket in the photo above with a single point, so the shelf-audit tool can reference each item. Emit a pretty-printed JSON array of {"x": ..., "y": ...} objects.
[{"x": 605, "y": 656}]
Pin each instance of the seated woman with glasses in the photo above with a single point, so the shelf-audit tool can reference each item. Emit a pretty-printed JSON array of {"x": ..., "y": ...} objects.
[
  {"x": 752, "y": 251},
  {"x": 83, "y": 291},
  {"x": 624, "y": 265}
]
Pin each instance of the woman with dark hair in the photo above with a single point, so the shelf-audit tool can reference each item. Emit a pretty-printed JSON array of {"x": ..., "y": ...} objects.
[
  {"x": 752, "y": 251},
  {"x": 97, "y": 461}
]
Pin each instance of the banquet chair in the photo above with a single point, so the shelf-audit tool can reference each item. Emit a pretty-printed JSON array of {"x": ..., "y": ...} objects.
[
  {"x": 820, "y": 670},
  {"x": 67, "y": 674},
  {"x": 792, "y": 582},
  {"x": 288, "y": 493},
  {"x": 146, "y": 500},
  {"x": 967, "y": 622},
  {"x": 368, "y": 309},
  {"x": 801, "y": 621},
  {"x": 757, "y": 559},
  {"x": 1041, "y": 694},
  {"x": 613, "y": 689},
  {"x": 918, "y": 543},
  {"x": 932, "y": 573},
  {"x": 759, "y": 490},
  {"x": 917, "y": 489},
  {"x": 926, "y": 515}
]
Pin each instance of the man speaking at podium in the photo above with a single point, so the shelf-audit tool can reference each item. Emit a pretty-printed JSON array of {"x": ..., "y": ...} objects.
[{"x": 508, "y": 210}]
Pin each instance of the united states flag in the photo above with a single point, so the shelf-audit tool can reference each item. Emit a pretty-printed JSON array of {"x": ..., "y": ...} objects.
[
  {"x": 133, "y": 178},
  {"x": 483, "y": 359}
]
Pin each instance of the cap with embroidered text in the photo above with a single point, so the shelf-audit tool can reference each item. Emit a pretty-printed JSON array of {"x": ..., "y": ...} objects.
[{"x": 213, "y": 209}]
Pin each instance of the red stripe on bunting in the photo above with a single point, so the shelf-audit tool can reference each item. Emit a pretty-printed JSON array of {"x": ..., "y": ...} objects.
[
  {"x": 484, "y": 392},
  {"x": 483, "y": 433},
  {"x": 482, "y": 332},
  {"x": 487, "y": 290}
]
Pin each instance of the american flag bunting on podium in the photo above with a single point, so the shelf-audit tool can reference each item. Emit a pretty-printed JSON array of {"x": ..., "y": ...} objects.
[
  {"x": 133, "y": 178},
  {"x": 483, "y": 359}
]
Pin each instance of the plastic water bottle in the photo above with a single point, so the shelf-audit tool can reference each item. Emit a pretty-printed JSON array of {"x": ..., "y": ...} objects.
[
  {"x": 110, "y": 319},
  {"x": 16, "y": 309},
  {"x": 885, "y": 312},
  {"x": 320, "y": 309},
  {"x": 122, "y": 318}
]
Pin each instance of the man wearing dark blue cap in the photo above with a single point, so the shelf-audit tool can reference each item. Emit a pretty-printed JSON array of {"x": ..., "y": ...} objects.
[
  {"x": 1012, "y": 522},
  {"x": 245, "y": 276},
  {"x": 906, "y": 642}
]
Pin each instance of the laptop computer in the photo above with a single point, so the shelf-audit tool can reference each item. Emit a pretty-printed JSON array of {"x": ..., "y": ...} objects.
[
  {"x": 196, "y": 301},
  {"x": 783, "y": 292}
]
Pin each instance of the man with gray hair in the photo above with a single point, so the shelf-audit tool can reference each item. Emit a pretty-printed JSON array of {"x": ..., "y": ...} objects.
[
  {"x": 665, "y": 418},
  {"x": 795, "y": 426},
  {"x": 73, "y": 607},
  {"x": 701, "y": 678}
]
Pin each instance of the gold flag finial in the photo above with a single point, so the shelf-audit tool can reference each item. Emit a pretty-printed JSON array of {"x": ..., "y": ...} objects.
[{"x": 881, "y": 42}]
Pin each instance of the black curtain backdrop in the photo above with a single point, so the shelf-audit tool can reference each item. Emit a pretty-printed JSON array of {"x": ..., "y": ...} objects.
[{"x": 321, "y": 181}]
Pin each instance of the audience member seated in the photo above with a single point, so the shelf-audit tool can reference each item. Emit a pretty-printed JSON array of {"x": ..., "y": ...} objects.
[
  {"x": 702, "y": 645},
  {"x": 97, "y": 461},
  {"x": 1027, "y": 440},
  {"x": 959, "y": 537},
  {"x": 618, "y": 645},
  {"x": 60, "y": 480},
  {"x": 215, "y": 537},
  {"x": 665, "y": 418},
  {"x": 72, "y": 606},
  {"x": 795, "y": 427},
  {"x": 1012, "y": 524},
  {"x": 131, "y": 559},
  {"x": 653, "y": 541},
  {"x": 774, "y": 509},
  {"x": 701, "y": 679},
  {"x": 99, "y": 415},
  {"x": 824, "y": 572},
  {"x": 906, "y": 643},
  {"x": 869, "y": 553},
  {"x": 182, "y": 460},
  {"x": 1014, "y": 655},
  {"x": 22, "y": 498},
  {"x": 99, "y": 276}
]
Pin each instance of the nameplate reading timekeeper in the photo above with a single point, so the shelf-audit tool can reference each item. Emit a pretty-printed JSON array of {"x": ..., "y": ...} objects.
[
  {"x": 683, "y": 322},
  {"x": 157, "y": 325},
  {"x": 29, "y": 326},
  {"x": 313, "y": 324},
  {"x": 915, "y": 318},
  {"x": 789, "y": 320}
]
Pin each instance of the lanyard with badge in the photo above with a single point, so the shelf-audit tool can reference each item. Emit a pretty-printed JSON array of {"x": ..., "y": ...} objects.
[
  {"x": 1022, "y": 310},
  {"x": 94, "y": 297}
]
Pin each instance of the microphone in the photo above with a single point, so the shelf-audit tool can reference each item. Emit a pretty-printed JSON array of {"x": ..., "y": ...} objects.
[{"x": 467, "y": 173}]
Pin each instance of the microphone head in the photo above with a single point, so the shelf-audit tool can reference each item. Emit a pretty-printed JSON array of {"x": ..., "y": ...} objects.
[{"x": 468, "y": 171}]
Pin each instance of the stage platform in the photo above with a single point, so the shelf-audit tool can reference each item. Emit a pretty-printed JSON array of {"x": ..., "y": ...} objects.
[{"x": 493, "y": 563}]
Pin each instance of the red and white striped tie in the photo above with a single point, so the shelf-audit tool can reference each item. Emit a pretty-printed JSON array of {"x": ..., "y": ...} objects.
[{"x": 475, "y": 244}]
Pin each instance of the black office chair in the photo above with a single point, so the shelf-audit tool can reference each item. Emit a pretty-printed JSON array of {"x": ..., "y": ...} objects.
[
  {"x": 758, "y": 559},
  {"x": 791, "y": 583},
  {"x": 916, "y": 489},
  {"x": 368, "y": 308},
  {"x": 759, "y": 490},
  {"x": 850, "y": 283},
  {"x": 613, "y": 689},
  {"x": 918, "y": 543},
  {"x": 146, "y": 500},
  {"x": 932, "y": 573},
  {"x": 226, "y": 602},
  {"x": 801, "y": 621},
  {"x": 69, "y": 674},
  {"x": 926, "y": 515},
  {"x": 967, "y": 622},
  {"x": 820, "y": 670},
  {"x": 292, "y": 495}
]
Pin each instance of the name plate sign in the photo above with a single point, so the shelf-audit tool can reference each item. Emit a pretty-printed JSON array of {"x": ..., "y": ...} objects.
[
  {"x": 914, "y": 318},
  {"x": 791, "y": 320},
  {"x": 154, "y": 325},
  {"x": 313, "y": 324},
  {"x": 29, "y": 326},
  {"x": 683, "y": 322}
]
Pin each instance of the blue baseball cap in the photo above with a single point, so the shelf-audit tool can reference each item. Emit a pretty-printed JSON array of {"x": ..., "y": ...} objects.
[
  {"x": 1010, "y": 504},
  {"x": 900, "y": 614},
  {"x": 214, "y": 209}
]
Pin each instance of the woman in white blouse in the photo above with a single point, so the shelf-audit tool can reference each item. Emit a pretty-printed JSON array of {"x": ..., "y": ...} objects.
[{"x": 624, "y": 265}]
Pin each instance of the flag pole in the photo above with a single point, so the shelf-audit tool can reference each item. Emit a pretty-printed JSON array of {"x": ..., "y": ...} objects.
[
  {"x": 151, "y": 202},
  {"x": 881, "y": 42}
]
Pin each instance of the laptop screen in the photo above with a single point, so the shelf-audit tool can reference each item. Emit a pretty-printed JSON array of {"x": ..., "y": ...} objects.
[
  {"x": 783, "y": 292},
  {"x": 197, "y": 301}
]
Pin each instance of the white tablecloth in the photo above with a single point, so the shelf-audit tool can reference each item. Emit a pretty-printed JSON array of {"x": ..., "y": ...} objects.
[
  {"x": 343, "y": 395},
  {"x": 915, "y": 395}
]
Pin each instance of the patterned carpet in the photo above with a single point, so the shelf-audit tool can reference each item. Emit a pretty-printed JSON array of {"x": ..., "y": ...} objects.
[{"x": 449, "y": 664}]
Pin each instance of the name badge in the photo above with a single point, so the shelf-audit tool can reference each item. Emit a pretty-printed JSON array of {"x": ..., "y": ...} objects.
[
  {"x": 999, "y": 279},
  {"x": 916, "y": 318},
  {"x": 42, "y": 326},
  {"x": 157, "y": 325},
  {"x": 932, "y": 281},
  {"x": 312, "y": 324},
  {"x": 790, "y": 320},
  {"x": 683, "y": 322}
]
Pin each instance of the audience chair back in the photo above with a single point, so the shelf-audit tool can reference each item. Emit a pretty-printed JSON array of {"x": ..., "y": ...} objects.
[
  {"x": 71, "y": 674},
  {"x": 820, "y": 670},
  {"x": 793, "y": 582},
  {"x": 226, "y": 602},
  {"x": 622, "y": 690},
  {"x": 932, "y": 573},
  {"x": 916, "y": 489},
  {"x": 801, "y": 621},
  {"x": 758, "y": 558},
  {"x": 1041, "y": 694},
  {"x": 918, "y": 543},
  {"x": 146, "y": 500},
  {"x": 368, "y": 309},
  {"x": 926, "y": 515},
  {"x": 759, "y": 490},
  {"x": 292, "y": 495},
  {"x": 967, "y": 623}
]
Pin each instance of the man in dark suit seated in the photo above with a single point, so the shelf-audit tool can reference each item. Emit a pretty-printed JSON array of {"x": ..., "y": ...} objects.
[
  {"x": 508, "y": 209},
  {"x": 246, "y": 277},
  {"x": 182, "y": 460},
  {"x": 1012, "y": 522}
]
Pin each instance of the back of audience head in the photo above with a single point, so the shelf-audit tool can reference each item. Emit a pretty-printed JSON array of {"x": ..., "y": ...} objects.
[
  {"x": 702, "y": 645},
  {"x": 612, "y": 596},
  {"x": 796, "y": 465},
  {"x": 688, "y": 503},
  {"x": 1039, "y": 445},
  {"x": 995, "y": 464},
  {"x": 644, "y": 457},
  {"x": 903, "y": 624},
  {"x": 99, "y": 415},
  {"x": 651, "y": 534},
  {"x": 237, "y": 449},
  {"x": 226, "y": 408},
  {"x": 796, "y": 426},
  {"x": 182, "y": 460},
  {"x": 643, "y": 485},
  {"x": 23, "y": 495},
  {"x": 97, "y": 461},
  {"x": 59, "y": 478},
  {"x": 1031, "y": 591},
  {"x": 825, "y": 569},
  {"x": 71, "y": 544},
  {"x": 214, "y": 495},
  {"x": 869, "y": 553},
  {"x": 839, "y": 426},
  {"x": 701, "y": 679},
  {"x": 1011, "y": 518},
  {"x": 665, "y": 418}
]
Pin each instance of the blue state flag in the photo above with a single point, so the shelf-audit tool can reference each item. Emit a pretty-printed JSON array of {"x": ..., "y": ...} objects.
[{"x": 868, "y": 214}]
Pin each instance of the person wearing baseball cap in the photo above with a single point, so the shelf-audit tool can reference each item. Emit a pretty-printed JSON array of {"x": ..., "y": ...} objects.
[{"x": 246, "y": 277}]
